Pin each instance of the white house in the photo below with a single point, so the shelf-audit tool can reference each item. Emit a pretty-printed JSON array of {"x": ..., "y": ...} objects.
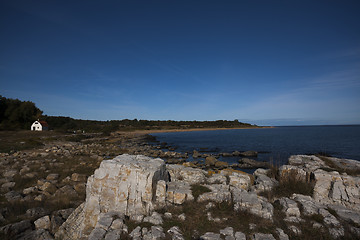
[{"x": 39, "y": 126}]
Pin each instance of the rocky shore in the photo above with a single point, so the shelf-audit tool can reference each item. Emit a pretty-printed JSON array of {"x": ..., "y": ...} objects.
[{"x": 92, "y": 190}]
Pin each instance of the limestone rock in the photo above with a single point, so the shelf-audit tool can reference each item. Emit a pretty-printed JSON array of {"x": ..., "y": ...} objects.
[
  {"x": 240, "y": 236},
  {"x": 229, "y": 231},
  {"x": 67, "y": 191},
  {"x": 306, "y": 162},
  {"x": 13, "y": 196},
  {"x": 249, "y": 154},
  {"x": 72, "y": 227},
  {"x": 217, "y": 178},
  {"x": 262, "y": 236},
  {"x": 155, "y": 219},
  {"x": 48, "y": 187},
  {"x": 43, "y": 223},
  {"x": 219, "y": 193},
  {"x": 333, "y": 188},
  {"x": 76, "y": 177},
  {"x": 176, "y": 233},
  {"x": 7, "y": 186},
  {"x": 113, "y": 235},
  {"x": 293, "y": 171},
  {"x": 238, "y": 179},
  {"x": 187, "y": 174},
  {"x": 125, "y": 184},
  {"x": 282, "y": 235},
  {"x": 347, "y": 214},
  {"x": 38, "y": 234},
  {"x": 253, "y": 203},
  {"x": 290, "y": 208},
  {"x": 155, "y": 233},
  {"x": 10, "y": 174},
  {"x": 221, "y": 164},
  {"x": 52, "y": 176},
  {"x": 36, "y": 212},
  {"x": 12, "y": 230},
  {"x": 161, "y": 192},
  {"x": 211, "y": 236},
  {"x": 263, "y": 183},
  {"x": 210, "y": 161},
  {"x": 178, "y": 192}
]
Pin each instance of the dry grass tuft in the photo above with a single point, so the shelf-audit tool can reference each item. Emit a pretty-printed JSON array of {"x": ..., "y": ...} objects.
[{"x": 289, "y": 183}]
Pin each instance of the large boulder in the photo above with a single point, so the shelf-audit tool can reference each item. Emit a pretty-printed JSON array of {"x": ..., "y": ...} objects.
[{"x": 124, "y": 185}]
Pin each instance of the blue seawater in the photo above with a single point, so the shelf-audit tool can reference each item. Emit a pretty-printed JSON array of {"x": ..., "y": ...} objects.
[{"x": 273, "y": 144}]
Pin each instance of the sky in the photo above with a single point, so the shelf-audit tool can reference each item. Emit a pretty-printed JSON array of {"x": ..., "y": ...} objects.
[{"x": 262, "y": 62}]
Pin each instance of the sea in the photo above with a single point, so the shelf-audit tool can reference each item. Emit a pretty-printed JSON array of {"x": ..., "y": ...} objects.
[{"x": 274, "y": 145}]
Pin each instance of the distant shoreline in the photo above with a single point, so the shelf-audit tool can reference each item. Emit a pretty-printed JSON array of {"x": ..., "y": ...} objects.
[{"x": 190, "y": 130}]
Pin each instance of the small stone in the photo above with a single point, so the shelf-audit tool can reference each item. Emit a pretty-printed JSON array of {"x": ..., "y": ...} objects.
[
  {"x": 43, "y": 223},
  {"x": 295, "y": 230},
  {"x": 52, "y": 176},
  {"x": 117, "y": 224},
  {"x": 161, "y": 192},
  {"x": 13, "y": 196},
  {"x": 209, "y": 205},
  {"x": 229, "y": 231},
  {"x": 10, "y": 173},
  {"x": 76, "y": 177},
  {"x": 36, "y": 212},
  {"x": 262, "y": 236},
  {"x": 80, "y": 187},
  {"x": 136, "y": 233},
  {"x": 113, "y": 235},
  {"x": 29, "y": 190},
  {"x": 48, "y": 187},
  {"x": 282, "y": 235},
  {"x": 157, "y": 232},
  {"x": 210, "y": 161},
  {"x": 40, "y": 198},
  {"x": 168, "y": 215},
  {"x": 175, "y": 233},
  {"x": 104, "y": 222},
  {"x": 137, "y": 218},
  {"x": 252, "y": 226},
  {"x": 155, "y": 219},
  {"x": 97, "y": 234},
  {"x": 30, "y": 175},
  {"x": 240, "y": 236},
  {"x": 210, "y": 236},
  {"x": 8, "y": 186},
  {"x": 182, "y": 217}
]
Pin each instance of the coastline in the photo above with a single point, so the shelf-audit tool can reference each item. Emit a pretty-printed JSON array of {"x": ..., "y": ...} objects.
[{"x": 188, "y": 130}]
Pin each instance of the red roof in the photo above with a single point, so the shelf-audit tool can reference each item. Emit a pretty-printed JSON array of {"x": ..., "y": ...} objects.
[{"x": 44, "y": 124}]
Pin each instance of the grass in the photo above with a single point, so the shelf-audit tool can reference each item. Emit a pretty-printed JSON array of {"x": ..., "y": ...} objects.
[
  {"x": 289, "y": 183},
  {"x": 15, "y": 211},
  {"x": 197, "y": 223},
  {"x": 12, "y": 141}
]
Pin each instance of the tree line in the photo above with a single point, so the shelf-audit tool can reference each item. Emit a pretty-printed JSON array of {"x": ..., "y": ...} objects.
[{"x": 16, "y": 114}]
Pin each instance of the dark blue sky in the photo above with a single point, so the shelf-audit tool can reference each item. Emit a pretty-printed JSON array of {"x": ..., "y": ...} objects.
[{"x": 263, "y": 62}]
